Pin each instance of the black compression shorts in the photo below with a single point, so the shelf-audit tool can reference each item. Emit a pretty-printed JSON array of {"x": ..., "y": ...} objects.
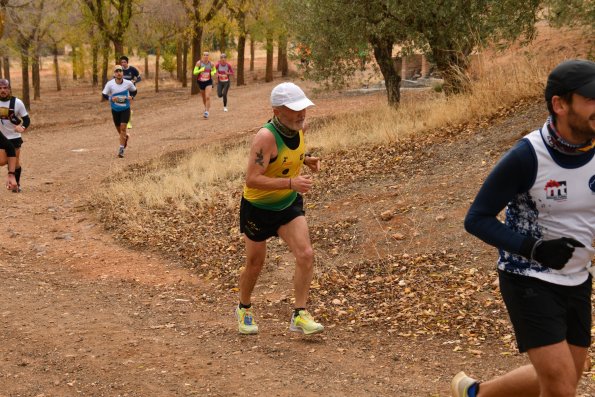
[{"x": 122, "y": 117}]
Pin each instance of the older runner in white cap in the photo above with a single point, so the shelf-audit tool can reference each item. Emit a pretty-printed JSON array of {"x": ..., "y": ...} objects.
[{"x": 272, "y": 205}]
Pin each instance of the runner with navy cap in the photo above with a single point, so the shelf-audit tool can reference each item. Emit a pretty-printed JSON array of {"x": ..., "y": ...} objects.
[
  {"x": 546, "y": 182},
  {"x": 272, "y": 205}
]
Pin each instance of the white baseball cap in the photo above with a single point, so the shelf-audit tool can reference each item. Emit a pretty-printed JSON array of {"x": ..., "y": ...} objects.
[{"x": 291, "y": 96}]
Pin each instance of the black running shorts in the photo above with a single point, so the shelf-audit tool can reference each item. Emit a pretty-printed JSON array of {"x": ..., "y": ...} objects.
[
  {"x": 17, "y": 142},
  {"x": 121, "y": 117},
  {"x": 204, "y": 84},
  {"x": 259, "y": 224},
  {"x": 543, "y": 313}
]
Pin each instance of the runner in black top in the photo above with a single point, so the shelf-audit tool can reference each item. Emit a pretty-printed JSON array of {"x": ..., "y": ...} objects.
[{"x": 130, "y": 73}]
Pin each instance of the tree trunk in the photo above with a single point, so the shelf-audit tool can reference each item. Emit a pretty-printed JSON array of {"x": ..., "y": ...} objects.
[
  {"x": 179, "y": 49},
  {"x": 74, "y": 63},
  {"x": 240, "y": 65},
  {"x": 118, "y": 49},
  {"x": 196, "y": 53},
  {"x": 453, "y": 67},
  {"x": 252, "y": 45},
  {"x": 268, "y": 75},
  {"x": 1, "y": 69},
  {"x": 35, "y": 77},
  {"x": 282, "y": 63},
  {"x": 57, "y": 67},
  {"x": 6, "y": 67},
  {"x": 185, "y": 65},
  {"x": 94, "y": 64},
  {"x": 280, "y": 54},
  {"x": 106, "y": 60},
  {"x": 223, "y": 40},
  {"x": 25, "y": 74},
  {"x": 157, "y": 55},
  {"x": 147, "y": 74},
  {"x": 383, "y": 52}
]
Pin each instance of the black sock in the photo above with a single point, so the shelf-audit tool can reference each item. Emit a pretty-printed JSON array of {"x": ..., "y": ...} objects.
[
  {"x": 296, "y": 311},
  {"x": 17, "y": 175},
  {"x": 242, "y": 306}
]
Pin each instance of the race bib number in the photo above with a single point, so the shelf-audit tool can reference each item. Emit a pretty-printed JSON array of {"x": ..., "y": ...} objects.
[
  {"x": 223, "y": 77},
  {"x": 121, "y": 99},
  {"x": 205, "y": 76}
]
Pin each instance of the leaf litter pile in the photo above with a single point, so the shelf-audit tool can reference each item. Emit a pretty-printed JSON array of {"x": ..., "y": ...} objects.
[{"x": 405, "y": 292}]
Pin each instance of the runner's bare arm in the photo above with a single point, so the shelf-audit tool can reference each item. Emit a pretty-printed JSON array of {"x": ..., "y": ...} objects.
[{"x": 262, "y": 150}]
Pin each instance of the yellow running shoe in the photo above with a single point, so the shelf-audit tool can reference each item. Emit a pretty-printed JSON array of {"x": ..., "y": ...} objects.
[
  {"x": 305, "y": 324},
  {"x": 246, "y": 323}
]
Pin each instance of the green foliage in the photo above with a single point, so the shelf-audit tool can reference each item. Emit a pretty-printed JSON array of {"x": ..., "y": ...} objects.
[
  {"x": 449, "y": 31},
  {"x": 337, "y": 33},
  {"x": 572, "y": 13},
  {"x": 453, "y": 30},
  {"x": 169, "y": 62}
]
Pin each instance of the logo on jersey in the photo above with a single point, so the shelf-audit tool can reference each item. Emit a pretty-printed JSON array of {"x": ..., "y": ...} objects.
[
  {"x": 592, "y": 184},
  {"x": 556, "y": 190}
]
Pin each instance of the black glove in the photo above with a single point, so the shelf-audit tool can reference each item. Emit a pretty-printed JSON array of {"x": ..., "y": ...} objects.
[{"x": 554, "y": 253}]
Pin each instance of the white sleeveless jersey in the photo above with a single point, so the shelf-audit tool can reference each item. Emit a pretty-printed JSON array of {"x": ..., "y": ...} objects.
[
  {"x": 565, "y": 203},
  {"x": 6, "y": 127}
]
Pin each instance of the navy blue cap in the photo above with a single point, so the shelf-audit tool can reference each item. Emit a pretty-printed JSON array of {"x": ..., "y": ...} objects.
[{"x": 576, "y": 75}]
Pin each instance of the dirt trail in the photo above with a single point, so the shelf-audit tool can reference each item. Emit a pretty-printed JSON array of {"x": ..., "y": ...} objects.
[{"x": 82, "y": 315}]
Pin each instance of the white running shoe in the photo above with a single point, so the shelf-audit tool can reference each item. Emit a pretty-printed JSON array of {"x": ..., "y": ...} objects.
[
  {"x": 461, "y": 384},
  {"x": 205, "y": 114},
  {"x": 225, "y": 109}
]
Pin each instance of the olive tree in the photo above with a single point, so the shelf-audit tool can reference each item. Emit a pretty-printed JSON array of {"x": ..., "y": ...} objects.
[
  {"x": 572, "y": 13},
  {"x": 334, "y": 31},
  {"x": 449, "y": 31},
  {"x": 452, "y": 30}
]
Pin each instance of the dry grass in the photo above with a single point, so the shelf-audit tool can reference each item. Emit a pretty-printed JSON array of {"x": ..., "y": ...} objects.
[
  {"x": 213, "y": 169},
  {"x": 495, "y": 88},
  {"x": 192, "y": 180}
]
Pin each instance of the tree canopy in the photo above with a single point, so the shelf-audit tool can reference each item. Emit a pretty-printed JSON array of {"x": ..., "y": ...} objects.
[
  {"x": 448, "y": 31},
  {"x": 572, "y": 13}
]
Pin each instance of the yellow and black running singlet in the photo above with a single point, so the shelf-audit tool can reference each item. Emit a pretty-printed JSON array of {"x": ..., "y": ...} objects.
[{"x": 287, "y": 164}]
